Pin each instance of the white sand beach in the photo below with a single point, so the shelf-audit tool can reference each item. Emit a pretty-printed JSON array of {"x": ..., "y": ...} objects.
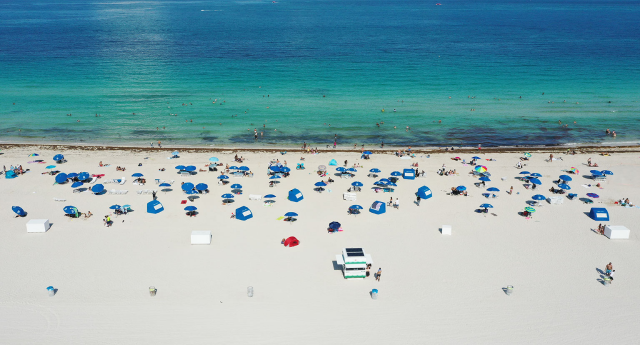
[{"x": 435, "y": 289}]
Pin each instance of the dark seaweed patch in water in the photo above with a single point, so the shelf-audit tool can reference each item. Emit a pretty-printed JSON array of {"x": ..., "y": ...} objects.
[{"x": 209, "y": 139}]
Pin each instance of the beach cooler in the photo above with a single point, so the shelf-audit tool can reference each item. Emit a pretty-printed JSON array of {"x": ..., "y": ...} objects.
[
  {"x": 446, "y": 229},
  {"x": 616, "y": 232},
  {"x": 38, "y": 225},
  {"x": 409, "y": 174},
  {"x": 200, "y": 237},
  {"x": 255, "y": 197},
  {"x": 349, "y": 196}
]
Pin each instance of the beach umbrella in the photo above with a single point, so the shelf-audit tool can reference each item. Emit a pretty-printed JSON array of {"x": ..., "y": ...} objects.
[
  {"x": 536, "y": 175},
  {"x": 187, "y": 186},
  {"x": 355, "y": 207},
  {"x": 190, "y": 208},
  {"x": 61, "y": 178},
  {"x": 50, "y": 166},
  {"x": 566, "y": 178},
  {"x": 322, "y": 167},
  {"x": 223, "y": 177},
  {"x": 480, "y": 168},
  {"x": 175, "y": 153},
  {"x": 98, "y": 188},
  {"x": 380, "y": 183},
  {"x": 607, "y": 172},
  {"x": 244, "y": 168},
  {"x": 538, "y": 197},
  {"x": 320, "y": 184},
  {"x": 530, "y": 209},
  {"x": 19, "y": 211},
  {"x": 461, "y": 188},
  {"x": 396, "y": 173},
  {"x": 524, "y": 173},
  {"x": 115, "y": 207},
  {"x": 352, "y": 170},
  {"x": 269, "y": 196},
  {"x": 213, "y": 159},
  {"x": 386, "y": 180},
  {"x": 595, "y": 172},
  {"x": 290, "y": 214},
  {"x": 227, "y": 196},
  {"x": 493, "y": 189},
  {"x": 374, "y": 170},
  {"x": 527, "y": 154},
  {"x": 191, "y": 191},
  {"x": 165, "y": 184},
  {"x": 233, "y": 167},
  {"x": 274, "y": 177},
  {"x": 166, "y": 190},
  {"x": 274, "y": 168},
  {"x": 70, "y": 210},
  {"x": 535, "y": 180},
  {"x": 34, "y": 155},
  {"x": 58, "y": 157},
  {"x": 341, "y": 169},
  {"x": 72, "y": 175},
  {"x": 564, "y": 186},
  {"x": 334, "y": 225},
  {"x": 180, "y": 167},
  {"x": 486, "y": 206},
  {"x": 83, "y": 176},
  {"x": 190, "y": 168},
  {"x": 285, "y": 169},
  {"x": 357, "y": 184},
  {"x": 475, "y": 157},
  {"x": 485, "y": 179},
  {"x": 367, "y": 153},
  {"x": 202, "y": 186},
  {"x": 77, "y": 184},
  {"x": 593, "y": 195},
  {"x": 392, "y": 184},
  {"x": 236, "y": 186},
  {"x": 137, "y": 175}
]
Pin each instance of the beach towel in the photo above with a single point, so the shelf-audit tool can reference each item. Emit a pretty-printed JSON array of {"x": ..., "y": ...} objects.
[
  {"x": 376, "y": 205},
  {"x": 586, "y": 185}
]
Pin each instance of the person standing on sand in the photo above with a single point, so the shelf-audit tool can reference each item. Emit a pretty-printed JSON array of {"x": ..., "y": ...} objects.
[
  {"x": 608, "y": 269},
  {"x": 550, "y": 157},
  {"x": 511, "y": 191},
  {"x": 418, "y": 199},
  {"x": 379, "y": 274}
]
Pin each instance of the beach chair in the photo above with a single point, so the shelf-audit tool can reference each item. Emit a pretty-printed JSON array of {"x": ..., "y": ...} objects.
[
  {"x": 93, "y": 180},
  {"x": 56, "y": 199},
  {"x": 139, "y": 192},
  {"x": 113, "y": 191},
  {"x": 123, "y": 180},
  {"x": 172, "y": 181}
]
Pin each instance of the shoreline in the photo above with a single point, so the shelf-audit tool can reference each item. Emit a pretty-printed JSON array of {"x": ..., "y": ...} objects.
[{"x": 586, "y": 148}]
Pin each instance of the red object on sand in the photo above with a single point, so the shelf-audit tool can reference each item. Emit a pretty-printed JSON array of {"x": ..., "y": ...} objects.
[
  {"x": 291, "y": 242},
  {"x": 98, "y": 176},
  {"x": 183, "y": 202}
]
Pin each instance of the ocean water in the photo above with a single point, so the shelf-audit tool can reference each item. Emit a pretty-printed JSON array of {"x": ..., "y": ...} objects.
[{"x": 496, "y": 73}]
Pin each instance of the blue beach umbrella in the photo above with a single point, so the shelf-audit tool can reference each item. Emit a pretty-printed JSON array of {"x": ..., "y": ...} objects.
[
  {"x": 227, "y": 196},
  {"x": 385, "y": 180},
  {"x": 190, "y": 168},
  {"x": 34, "y": 155},
  {"x": 392, "y": 184},
  {"x": 70, "y": 210},
  {"x": 190, "y": 208},
  {"x": 50, "y": 166},
  {"x": 564, "y": 186},
  {"x": 290, "y": 214},
  {"x": 244, "y": 168},
  {"x": 137, "y": 175},
  {"x": 493, "y": 189},
  {"x": 593, "y": 195},
  {"x": 341, "y": 169},
  {"x": 274, "y": 177},
  {"x": 355, "y": 207},
  {"x": 274, "y": 168},
  {"x": 320, "y": 184},
  {"x": 223, "y": 177},
  {"x": 566, "y": 178},
  {"x": 236, "y": 186},
  {"x": 367, "y": 152},
  {"x": 536, "y": 175},
  {"x": 380, "y": 183},
  {"x": 396, "y": 173},
  {"x": 607, "y": 172},
  {"x": 202, "y": 186},
  {"x": 461, "y": 188},
  {"x": 524, "y": 173},
  {"x": 181, "y": 167},
  {"x": 72, "y": 175},
  {"x": 190, "y": 192},
  {"x": 475, "y": 157},
  {"x": 98, "y": 188},
  {"x": 352, "y": 170},
  {"x": 115, "y": 207},
  {"x": 77, "y": 184},
  {"x": 535, "y": 180},
  {"x": 19, "y": 211},
  {"x": 165, "y": 184},
  {"x": 374, "y": 170},
  {"x": 233, "y": 167},
  {"x": 285, "y": 169},
  {"x": 538, "y": 197},
  {"x": 334, "y": 225},
  {"x": 187, "y": 186},
  {"x": 83, "y": 176},
  {"x": 486, "y": 206},
  {"x": 213, "y": 159},
  {"x": 58, "y": 157},
  {"x": 61, "y": 178},
  {"x": 269, "y": 196},
  {"x": 357, "y": 184},
  {"x": 485, "y": 179},
  {"x": 175, "y": 153}
]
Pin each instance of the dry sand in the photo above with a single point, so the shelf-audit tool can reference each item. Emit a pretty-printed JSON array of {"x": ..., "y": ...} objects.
[{"x": 435, "y": 289}]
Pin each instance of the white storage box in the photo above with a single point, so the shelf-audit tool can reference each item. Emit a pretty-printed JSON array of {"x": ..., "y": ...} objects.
[
  {"x": 200, "y": 237},
  {"x": 349, "y": 196},
  {"x": 556, "y": 200},
  {"x": 446, "y": 229},
  {"x": 38, "y": 225},
  {"x": 616, "y": 232},
  {"x": 255, "y": 197}
]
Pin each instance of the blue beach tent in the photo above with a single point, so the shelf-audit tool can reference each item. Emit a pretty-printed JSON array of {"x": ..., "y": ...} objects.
[
  {"x": 243, "y": 213},
  {"x": 409, "y": 174},
  {"x": 295, "y": 195},
  {"x": 154, "y": 207},
  {"x": 599, "y": 214},
  {"x": 424, "y": 192},
  {"x": 333, "y": 162},
  {"x": 378, "y": 207}
]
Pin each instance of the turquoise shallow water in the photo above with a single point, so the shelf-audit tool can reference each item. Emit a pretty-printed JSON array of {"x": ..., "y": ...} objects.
[{"x": 321, "y": 63}]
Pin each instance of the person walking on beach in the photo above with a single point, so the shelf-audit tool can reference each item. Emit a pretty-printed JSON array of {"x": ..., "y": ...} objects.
[
  {"x": 550, "y": 157},
  {"x": 397, "y": 204},
  {"x": 608, "y": 269},
  {"x": 511, "y": 191},
  {"x": 154, "y": 195},
  {"x": 418, "y": 199},
  {"x": 390, "y": 202},
  {"x": 379, "y": 274}
]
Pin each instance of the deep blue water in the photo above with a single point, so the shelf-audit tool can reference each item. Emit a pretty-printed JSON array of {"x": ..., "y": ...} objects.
[{"x": 300, "y": 66}]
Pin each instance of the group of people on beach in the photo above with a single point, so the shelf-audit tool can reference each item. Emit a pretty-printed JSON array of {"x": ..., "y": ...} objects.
[{"x": 17, "y": 170}]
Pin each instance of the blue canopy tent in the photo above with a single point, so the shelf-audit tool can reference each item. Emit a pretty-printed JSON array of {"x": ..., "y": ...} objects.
[
  {"x": 61, "y": 178},
  {"x": 333, "y": 162},
  {"x": 19, "y": 211},
  {"x": 599, "y": 214},
  {"x": 154, "y": 207},
  {"x": 243, "y": 213},
  {"x": 409, "y": 174},
  {"x": 97, "y": 189},
  {"x": 424, "y": 192},
  {"x": 295, "y": 195},
  {"x": 378, "y": 207}
]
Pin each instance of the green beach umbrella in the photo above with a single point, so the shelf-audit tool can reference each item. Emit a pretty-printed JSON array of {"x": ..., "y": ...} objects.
[
  {"x": 530, "y": 209},
  {"x": 527, "y": 154}
]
